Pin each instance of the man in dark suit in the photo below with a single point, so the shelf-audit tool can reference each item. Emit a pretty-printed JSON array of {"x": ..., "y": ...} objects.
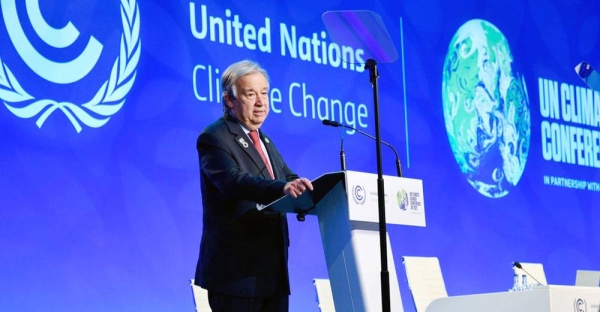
[{"x": 243, "y": 253}]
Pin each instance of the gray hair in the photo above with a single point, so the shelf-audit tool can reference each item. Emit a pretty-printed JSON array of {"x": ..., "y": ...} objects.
[{"x": 235, "y": 72}]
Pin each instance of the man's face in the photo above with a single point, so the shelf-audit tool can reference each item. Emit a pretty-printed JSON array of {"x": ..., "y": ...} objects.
[{"x": 251, "y": 106}]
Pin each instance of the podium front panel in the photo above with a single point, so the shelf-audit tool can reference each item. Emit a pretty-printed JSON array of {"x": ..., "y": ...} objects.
[
  {"x": 404, "y": 201},
  {"x": 553, "y": 298}
]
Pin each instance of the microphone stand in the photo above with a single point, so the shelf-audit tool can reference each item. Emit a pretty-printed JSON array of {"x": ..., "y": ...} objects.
[
  {"x": 342, "y": 153},
  {"x": 371, "y": 65}
]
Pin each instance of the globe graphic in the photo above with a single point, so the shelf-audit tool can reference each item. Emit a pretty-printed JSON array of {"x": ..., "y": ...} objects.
[
  {"x": 402, "y": 199},
  {"x": 486, "y": 109}
]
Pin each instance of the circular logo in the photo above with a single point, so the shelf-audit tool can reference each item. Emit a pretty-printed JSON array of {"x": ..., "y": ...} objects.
[
  {"x": 486, "y": 109},
  {"x": 110, "y": 96},
  {"x": 359, "y": 194},
  {"x": 402, "y": 199},
  {"x": 580, "y": 305}
]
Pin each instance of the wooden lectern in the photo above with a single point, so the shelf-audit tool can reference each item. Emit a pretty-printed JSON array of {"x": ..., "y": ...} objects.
[{"x": 346, "y": 205}]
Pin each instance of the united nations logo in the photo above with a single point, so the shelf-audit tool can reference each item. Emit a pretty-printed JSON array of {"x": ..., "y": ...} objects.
[
  {"x": 108, "y": 98},
  {"x": 402, "y": 199},
  {"x": 359, "y": 194},
  {"x": 579, "y": 305}
]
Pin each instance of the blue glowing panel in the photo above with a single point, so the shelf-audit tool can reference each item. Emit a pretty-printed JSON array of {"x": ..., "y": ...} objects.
[{"x": 102, "y": 102}]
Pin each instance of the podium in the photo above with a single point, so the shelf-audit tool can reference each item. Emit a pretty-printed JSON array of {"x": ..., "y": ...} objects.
[
  {"x": 346, "y": 205},
  {"x": 554, "y": 298}
]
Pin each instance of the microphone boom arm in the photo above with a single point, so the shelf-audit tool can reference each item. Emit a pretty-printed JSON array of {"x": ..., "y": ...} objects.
[{"x": 333, "y": 123}]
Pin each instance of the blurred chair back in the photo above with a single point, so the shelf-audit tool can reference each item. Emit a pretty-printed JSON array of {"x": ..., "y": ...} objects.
[
  {"x": 587, "y": 278},
  {"x": 534, "y": 272},
  {"x": 200, "y": 298},
  {"x": 425, "y": 280},
  {"x": 324, "y": 295}
]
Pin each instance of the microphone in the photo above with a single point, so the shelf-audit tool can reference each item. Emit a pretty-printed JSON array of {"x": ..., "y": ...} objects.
[
  {"x": 342, "y": 153},
  {"x": 334, "y": 123},
  {"x": 519, "y": 266}
]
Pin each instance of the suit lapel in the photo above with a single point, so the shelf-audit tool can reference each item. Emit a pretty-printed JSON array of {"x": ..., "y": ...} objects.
[{"x": 244, "y": 142}]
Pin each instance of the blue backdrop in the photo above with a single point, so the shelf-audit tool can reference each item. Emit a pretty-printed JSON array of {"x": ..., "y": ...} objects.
[{"x": 100, "y": 204}]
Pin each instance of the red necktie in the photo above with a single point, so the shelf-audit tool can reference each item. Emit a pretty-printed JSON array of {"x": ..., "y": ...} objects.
[{"x": 256, "y": 143}]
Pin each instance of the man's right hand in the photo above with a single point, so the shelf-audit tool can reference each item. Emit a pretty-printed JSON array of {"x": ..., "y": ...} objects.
[{"x": 297, "y": 187}]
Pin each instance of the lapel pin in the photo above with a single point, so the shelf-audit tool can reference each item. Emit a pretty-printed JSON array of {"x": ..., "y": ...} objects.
[{"x": 243, "y": 142}]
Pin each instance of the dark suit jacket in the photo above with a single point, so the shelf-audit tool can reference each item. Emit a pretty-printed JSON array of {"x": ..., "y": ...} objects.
[{"x": 243, "y": 251}]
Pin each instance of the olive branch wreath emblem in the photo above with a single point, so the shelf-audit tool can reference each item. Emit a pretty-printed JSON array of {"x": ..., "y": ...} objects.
[{"x": 107, "y": 101}]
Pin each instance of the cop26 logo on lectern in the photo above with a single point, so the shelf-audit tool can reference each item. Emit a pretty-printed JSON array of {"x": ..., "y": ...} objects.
[
  {"x": 580, "y": 305},
  {"x": 109, "y": 97},
  {"x": 486, "y": 109},
  {"x": 359, "y": 194}
]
